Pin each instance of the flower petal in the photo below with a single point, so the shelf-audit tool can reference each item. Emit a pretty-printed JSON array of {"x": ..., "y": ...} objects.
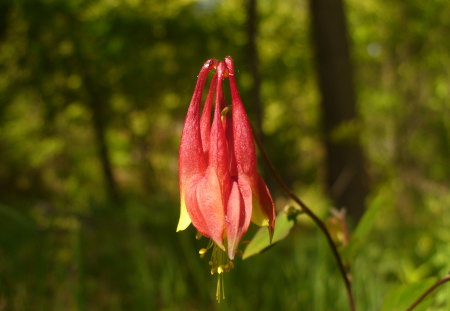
[
  {"x": 238, "y": 218},
  {"x": 184, "y": 220},
  {"x": 205, "y": 208},
  {"x": 244, "y": 147},
  {"x": 263, "y": 208},
  {"x": 218, "y": 153},
  {"x": 205, "y": 121},
  {"x": 208, "y": 216},
  {"x": 192, "y": 160},
  {"x": 263, "y": 213}
]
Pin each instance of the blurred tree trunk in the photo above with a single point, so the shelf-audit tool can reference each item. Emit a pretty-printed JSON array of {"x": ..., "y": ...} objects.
[
  {"x": 253, "y": 60},
  {"x": 96, "y": 104},
  {"x": 5, "y": 8},
  {"x": 346, "y": 178},
  {"x": 96, "y": 101}
]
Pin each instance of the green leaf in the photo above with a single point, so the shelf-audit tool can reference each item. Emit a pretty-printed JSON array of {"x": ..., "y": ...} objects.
[
  {"x": 10, "y": 214},
  {"x": 404, "y": 296},
  {"x": 261, "y": 242},
  {"x": 361, "y": 232}
]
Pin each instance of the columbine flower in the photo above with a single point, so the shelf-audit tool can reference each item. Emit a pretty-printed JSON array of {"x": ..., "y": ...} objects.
[{"x": 220, "y": 188}]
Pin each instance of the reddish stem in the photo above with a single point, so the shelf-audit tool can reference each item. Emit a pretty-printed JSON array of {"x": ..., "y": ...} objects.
[
  {"x": 428, "y": 291},
  {"x": 316, "y": 220}
]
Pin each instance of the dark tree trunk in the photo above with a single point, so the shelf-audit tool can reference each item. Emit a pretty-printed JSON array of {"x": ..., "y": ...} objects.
[
  {"x": 96, "y": 100},
  {"x": 253, "y": 60},
  {"x": 96, "y": 104},
  {"x": 5, "y": 8},
  {"x": 346, "y": 178}
]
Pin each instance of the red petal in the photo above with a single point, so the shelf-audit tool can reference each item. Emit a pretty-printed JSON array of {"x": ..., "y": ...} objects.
[
  {"x": 191, "y": 158},
  {"x": 192, "y": 161},
  {"x": 244, "y": 147},
  {"x": 218, "y": 153},
  {"x": 238, "y": 217},
  {"x": 266, "y": 204},
  {"x": 205, "y": 121},
  {"x": 211, "y": 208},
  {"x": 245, "y": 155},
  {"x": 205, "y": 206}
]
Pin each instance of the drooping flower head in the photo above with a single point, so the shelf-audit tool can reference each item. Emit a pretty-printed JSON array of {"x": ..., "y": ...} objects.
[{"x": 220, "y": 188}]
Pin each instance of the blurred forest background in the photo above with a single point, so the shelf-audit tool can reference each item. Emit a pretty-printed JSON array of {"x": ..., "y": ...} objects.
[{"x": 93, "y": 96}]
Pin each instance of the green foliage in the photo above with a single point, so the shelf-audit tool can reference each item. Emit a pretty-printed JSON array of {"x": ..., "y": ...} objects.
[
  {"x": 402, "y": 297},
  {"x": 261, "y": 241},
  {"x": 359, "y": 237}
]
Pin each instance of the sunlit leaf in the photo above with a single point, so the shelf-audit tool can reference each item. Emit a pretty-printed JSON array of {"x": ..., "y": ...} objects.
[
  {"x": 10, "y": 214},
  {"x": 261, "y": 242},
  {"x": 361, "y": 231},
  {"x": 401, "y": 297}
]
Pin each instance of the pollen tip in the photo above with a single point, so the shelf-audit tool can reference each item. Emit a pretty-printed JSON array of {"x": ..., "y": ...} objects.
[
  {"x": 210, "y": 63},
  {"x": 222, "y": 70},
  {"x": 230, "y": 65}
]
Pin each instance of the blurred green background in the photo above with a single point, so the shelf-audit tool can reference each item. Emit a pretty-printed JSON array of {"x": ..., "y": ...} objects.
[{"x": 93, "y": 96}]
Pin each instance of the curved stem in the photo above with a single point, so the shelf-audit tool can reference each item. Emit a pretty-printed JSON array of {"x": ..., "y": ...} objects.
[
  {"x": 428, "y": 291},
  {"x": 316, "y": 220}
]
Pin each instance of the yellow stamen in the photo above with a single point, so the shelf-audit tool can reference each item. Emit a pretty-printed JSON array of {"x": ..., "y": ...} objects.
[
  {"x": 225, "y": 111},
  {"x": 218, "y": 289},
  {"x": 220, "y": 263},
  {"x": 202, "y": 252},
  {"x": 223, "y": 288}
]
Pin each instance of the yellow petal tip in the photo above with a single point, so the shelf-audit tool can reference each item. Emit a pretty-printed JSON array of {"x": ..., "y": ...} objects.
[{"x": 184, "y": 220}]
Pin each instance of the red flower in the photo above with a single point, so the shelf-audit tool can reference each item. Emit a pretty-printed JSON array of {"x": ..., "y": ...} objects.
[{"x": 221, "y": 190}]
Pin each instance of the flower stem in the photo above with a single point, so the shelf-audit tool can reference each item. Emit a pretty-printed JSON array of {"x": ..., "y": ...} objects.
[
  {"x": 316, "y": 220},
  {"x": 428, "y": 291}
]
